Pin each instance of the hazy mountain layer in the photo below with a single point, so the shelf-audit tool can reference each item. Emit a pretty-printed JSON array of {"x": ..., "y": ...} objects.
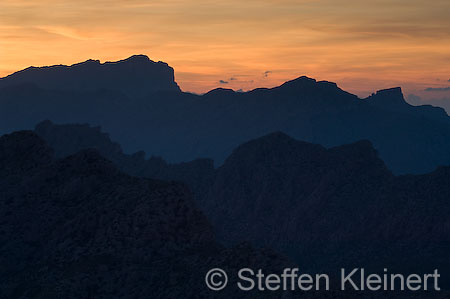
[
  {"x": 140, "y": 105},
  {"x": 78, "y": 227},
  {"x": 72, "y": 138},
  {"x": 325, "y": 208}
]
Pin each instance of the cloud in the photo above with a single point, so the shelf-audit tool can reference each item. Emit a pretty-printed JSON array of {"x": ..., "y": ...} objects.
[
  {"x": 360, "y": 44},
  {"x": 438, "y": 89},
  {"x": 228, "y": 81}
]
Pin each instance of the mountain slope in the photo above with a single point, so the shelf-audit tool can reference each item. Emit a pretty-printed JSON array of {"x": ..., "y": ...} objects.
[
  {"x": 143, "y": 113},
  {"x": 330, "y": 208},
  {"x": 79, "y": 228},
  {"x": 326, "y": 208},
  {"x": 70, "y": 139}
]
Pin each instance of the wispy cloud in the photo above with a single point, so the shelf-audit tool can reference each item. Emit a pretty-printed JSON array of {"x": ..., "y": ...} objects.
[
  {"x": 363, "y": 45},
  {"x": 267, "y": 73},
  {"x": 437, "y": 89}
]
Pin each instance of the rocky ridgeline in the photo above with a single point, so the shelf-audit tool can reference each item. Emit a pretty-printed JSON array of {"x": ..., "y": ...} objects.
[{"x": 78, "y": 227}]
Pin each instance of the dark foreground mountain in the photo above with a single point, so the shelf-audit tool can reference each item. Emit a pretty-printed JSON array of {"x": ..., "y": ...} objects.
[
  {"x": 140, "y": 105},
  {"x": 325, "y": 208},
  {"x": 329, "y": 208},
  {"x": 79, "y": 228}
]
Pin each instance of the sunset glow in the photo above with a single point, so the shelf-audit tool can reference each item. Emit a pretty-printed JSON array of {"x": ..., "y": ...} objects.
[{"x": 363, "y": 46}]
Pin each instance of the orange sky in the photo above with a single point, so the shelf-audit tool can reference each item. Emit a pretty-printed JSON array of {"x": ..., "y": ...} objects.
[{"x": 361, "y": 45}]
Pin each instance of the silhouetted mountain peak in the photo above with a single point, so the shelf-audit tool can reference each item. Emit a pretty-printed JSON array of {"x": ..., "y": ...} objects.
[
  {"x": 76, "y": 138},
  {"x": 300, "y": 82},
  {"x": 312, "y": 89},
  {"x": 87, "y": 63},
  {"x": 276, "y": 146},
  {"x": 44, "y": 124},
  {"x": 305, "y": 81},
  {"x": 278, "y": 149},
  {"x": 139, "y": 58},
  {"x": 134, "y": 76},
  {"x": 397, "y": 91},
  {"x": 388, "y": 97},
  {"x": 220, "y": 92},
  {"x": 363, "y": 156}
]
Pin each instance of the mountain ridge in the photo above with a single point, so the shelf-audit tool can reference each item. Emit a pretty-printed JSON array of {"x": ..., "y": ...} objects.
[
  {"x": 142, "y": 114},
  {"x": 137, "y": 74},
  {"x": 141, "y": 58},
  {"x": 323, "y": 207},
  {"x": 329, "y": 208},
  {"x": 77, "y": 227}
]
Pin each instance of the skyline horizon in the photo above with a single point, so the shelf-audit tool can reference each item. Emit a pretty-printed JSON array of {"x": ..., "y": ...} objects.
[
  {"x": 363, "y": 46},
  {"x": 202, "y": 148},
  {"x": 227, "y": 85}
]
